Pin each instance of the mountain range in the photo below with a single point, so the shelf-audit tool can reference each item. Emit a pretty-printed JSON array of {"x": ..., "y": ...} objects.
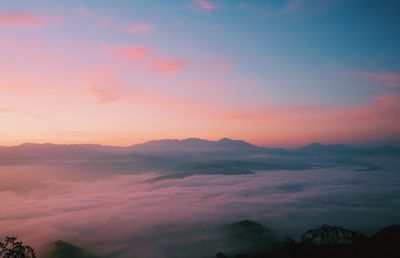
[
  {"x": 193, "y": 156},
  {"x": 187, "y": 147}
]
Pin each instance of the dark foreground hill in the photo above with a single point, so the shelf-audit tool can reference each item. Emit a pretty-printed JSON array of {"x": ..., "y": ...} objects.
[
  {"x": 63, "y": 249},
  {"x": 252, "y": 240},
  {"x": 331, "y": 242}
]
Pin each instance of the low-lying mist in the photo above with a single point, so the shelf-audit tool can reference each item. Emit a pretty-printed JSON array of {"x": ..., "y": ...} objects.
[{"x": 114, "y": 214}]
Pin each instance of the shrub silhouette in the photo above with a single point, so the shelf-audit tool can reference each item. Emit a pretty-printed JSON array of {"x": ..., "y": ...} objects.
[
  {"x": 11, "y": 248},
  {"x": 335, "y": 242},
  {"x": 329, "y": 242},
  {"x": 331, "y": 235}
]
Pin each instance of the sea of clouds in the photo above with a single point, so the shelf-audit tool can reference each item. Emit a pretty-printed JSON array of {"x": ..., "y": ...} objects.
[{"x": 119, "y": 215}]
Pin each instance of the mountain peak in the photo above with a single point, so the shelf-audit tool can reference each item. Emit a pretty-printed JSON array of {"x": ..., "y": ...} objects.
[
  {"x": 194, "y": 139},
  {"x": 234, "y": 143},
  {"x": 225, "y": 139},
  {"x": 248, "y": 230}
]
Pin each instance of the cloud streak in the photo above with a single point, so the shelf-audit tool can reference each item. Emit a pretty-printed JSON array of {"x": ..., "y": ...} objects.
[
  {"x": 22, "y": 113},
  {"x": 138, "y": 28},
  {"x": 130, "y": 51},
  {"x": 385, "y": 79},
  {"x": 104, "y": 95},
  {"x": 308, "y": 7},
  {"x": 168, "y": 65},
  {"x": 203, "y": 5},
  {"x": 20, "y": 19}
]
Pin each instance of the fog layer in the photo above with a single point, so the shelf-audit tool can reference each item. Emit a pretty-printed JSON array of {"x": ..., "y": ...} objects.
[{"x": 121, "y": 215}]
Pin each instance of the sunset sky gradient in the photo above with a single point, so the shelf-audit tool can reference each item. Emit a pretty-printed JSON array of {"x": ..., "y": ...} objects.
[{"x": 274, "y": 73}]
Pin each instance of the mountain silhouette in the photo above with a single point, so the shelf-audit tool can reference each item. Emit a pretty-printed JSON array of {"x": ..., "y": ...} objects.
[
  {"x": 344, "y": 150},
  {"x": 323, "y": 242},
  {"x": 64, "y": 249},
  {"x": 194, "y": 156},
  {"x": 196, "y": 148},
  {"x": 248, "y": 236},
  {"x": 190, "y": 146},
  {"x": 386, "y": 242},
  {"x": 247, "y": 229}
]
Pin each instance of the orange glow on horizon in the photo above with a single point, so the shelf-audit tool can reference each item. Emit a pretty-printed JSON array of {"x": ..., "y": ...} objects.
[{"x": 119, "y": 87}]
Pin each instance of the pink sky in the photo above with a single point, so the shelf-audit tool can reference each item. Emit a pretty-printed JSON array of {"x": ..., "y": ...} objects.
[{"x": 82, "y": 76}]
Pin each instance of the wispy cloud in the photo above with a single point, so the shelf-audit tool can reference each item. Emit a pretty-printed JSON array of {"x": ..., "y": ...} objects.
[
  {"x": 139, "y": 27},
  {"x": 203, "y": 5},
  {"x": 308, "y": 7},
  {"x": 169, "y": 65},
  {"x": 382, "y": 107},
  {"x": 386, "y": 79},
  {"x": 82, "y": 11},
  {"x": 296, "y": 8},
  {"x": 21, "y": 19},
  {"x": 220, "y": 63},
  {"x": 389, "y": 98},
  {"x": 147, "y": 58},
  {"x": 104, "y": 23},
  {"x": 22, "y": 113},
  {"x": 104, "y": 95},
  {"x": 106, "y": 87},
  {"x": 130, "y": 51},
  {"x": 293, "y": 5}
]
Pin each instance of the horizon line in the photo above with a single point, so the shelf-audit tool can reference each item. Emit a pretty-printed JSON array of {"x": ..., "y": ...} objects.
[{"x": 393, "y": 142}]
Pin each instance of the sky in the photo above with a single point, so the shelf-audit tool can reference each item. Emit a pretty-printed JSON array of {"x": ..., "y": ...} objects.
[{"x": 274, "y": 73}]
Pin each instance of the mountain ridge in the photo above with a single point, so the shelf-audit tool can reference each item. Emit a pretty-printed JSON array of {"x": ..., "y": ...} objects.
[{"x": 200, "y": 143}]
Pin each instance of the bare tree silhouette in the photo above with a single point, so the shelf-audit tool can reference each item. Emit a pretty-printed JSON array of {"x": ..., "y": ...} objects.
[
  {"x": 331, "y": 235},
  {"x": 11, "y": 248}
]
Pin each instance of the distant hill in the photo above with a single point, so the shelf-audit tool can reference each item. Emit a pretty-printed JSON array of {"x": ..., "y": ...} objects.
[
  {"x": 247, "y": 239},
  {"x": 49, "y": 150},
  {"x": 344, "y": 150},
  {"x": 326, "y": 241},
  {"x": 194, "y": 144},
  {"x": 193, "y": 156},
  {"x": 247, "y": 230},
  {"x": 224, "y": 147},
  {"x": 197, "y": 148},
  {"x": 386, "y": 242},
  {"x": 63, "y": 249},
  {"x": 249, "y": 236},
  {"x": 228, "y": 148},
  {"x": 90, "y": 155}
]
